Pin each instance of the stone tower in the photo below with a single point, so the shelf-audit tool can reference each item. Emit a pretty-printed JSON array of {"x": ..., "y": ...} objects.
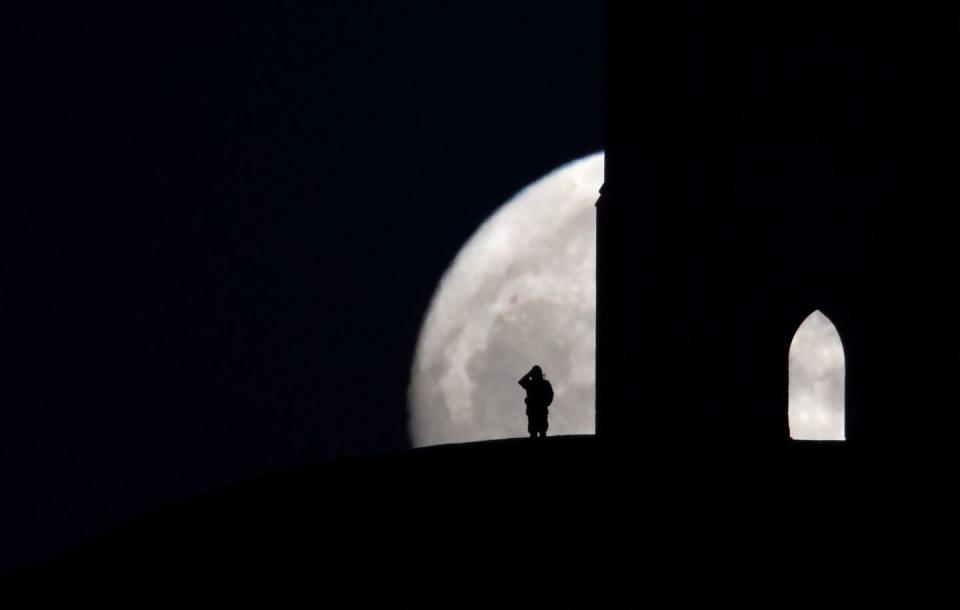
[{"x": 765, "y": 161}]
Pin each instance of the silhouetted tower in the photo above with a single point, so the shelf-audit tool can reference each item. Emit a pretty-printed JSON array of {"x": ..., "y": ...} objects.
[{"x": 762, "y": 162}]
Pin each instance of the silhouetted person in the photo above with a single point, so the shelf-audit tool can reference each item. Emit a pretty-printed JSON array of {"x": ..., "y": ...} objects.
[{"x": 539, "y": 397}]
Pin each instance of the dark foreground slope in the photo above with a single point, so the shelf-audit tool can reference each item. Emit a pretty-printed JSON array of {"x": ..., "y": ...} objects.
[{"x": 527, "y": 524}]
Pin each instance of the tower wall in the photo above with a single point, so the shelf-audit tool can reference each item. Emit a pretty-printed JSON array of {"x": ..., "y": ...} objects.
[{"x": 764, "y": 162}]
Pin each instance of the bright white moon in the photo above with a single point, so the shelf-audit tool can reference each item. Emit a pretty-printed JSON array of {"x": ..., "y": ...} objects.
[
  {"x": 522, "y": 291},
  {"x": 816, "y": 410}
]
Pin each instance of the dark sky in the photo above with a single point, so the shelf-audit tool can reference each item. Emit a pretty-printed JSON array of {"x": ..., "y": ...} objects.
[{"x": 220, "y": 228}]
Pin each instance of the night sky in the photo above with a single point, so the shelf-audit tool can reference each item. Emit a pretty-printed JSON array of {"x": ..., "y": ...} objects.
[{"x": 220, "y": 229}]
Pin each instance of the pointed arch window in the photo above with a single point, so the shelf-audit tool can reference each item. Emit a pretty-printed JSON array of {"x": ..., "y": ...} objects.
[{"x": 816, "y": 386}]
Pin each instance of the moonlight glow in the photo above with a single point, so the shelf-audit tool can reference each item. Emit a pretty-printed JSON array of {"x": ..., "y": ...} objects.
[
  {"x": 816, "y": 381},
  {"x": 522, "y": 291}
]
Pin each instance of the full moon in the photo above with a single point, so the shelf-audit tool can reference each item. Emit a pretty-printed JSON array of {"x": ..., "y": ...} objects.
[{"x": 521, "y": 291}]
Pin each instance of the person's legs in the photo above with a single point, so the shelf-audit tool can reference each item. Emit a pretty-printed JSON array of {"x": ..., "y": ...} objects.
[{"x": 539, "y": 424}]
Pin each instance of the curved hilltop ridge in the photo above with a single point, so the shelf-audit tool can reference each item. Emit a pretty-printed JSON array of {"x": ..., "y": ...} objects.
[
  {"x": 414, "y": 526},
  {"x": 518, "y": 522}
]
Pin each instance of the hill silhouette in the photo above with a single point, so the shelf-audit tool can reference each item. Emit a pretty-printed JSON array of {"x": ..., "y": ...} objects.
[{"x": 521, "y": 523}]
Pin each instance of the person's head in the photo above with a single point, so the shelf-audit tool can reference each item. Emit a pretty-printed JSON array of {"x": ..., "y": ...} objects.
[{"x": 536, "y": 371}]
